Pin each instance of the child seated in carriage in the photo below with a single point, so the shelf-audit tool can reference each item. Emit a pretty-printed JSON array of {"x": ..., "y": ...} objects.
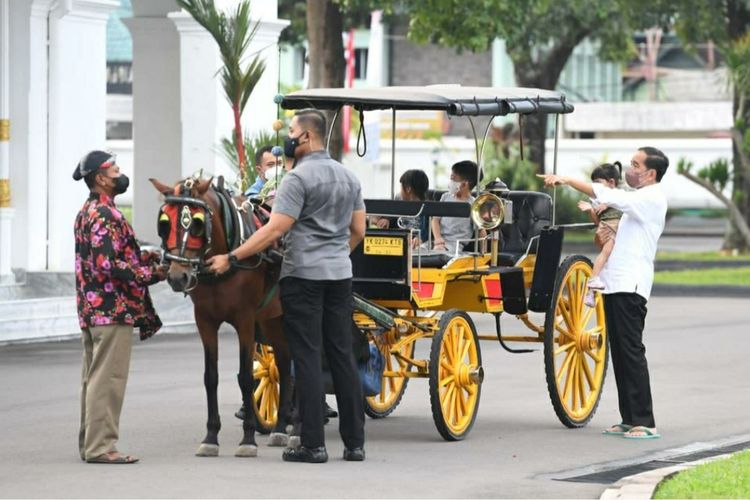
[
  {"x": 606, "y": 219},
  {"x": 450, "y": 232}
]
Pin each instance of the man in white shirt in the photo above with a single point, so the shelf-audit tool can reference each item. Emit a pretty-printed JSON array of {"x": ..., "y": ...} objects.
[{"x": 628, "y": 277}]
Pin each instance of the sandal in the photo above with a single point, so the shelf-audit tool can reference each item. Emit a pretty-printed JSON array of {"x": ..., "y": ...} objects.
[
  {"x": 641, "y": 432},
  {"x": 108, "y": 458},
  {"x": 621, "y": 430}
]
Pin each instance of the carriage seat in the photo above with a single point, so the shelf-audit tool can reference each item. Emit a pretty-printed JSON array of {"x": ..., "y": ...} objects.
[{"x": 532, "y": 212}]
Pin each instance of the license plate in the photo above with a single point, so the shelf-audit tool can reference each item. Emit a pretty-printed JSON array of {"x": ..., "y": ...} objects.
[{"x": 378, "y": 245}]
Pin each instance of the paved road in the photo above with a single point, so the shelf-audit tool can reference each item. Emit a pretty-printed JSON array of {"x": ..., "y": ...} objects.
[{"x": 698, "y": 351}]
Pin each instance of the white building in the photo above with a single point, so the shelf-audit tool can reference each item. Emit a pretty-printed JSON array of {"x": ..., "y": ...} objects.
[{"x": 52, "y": 111}]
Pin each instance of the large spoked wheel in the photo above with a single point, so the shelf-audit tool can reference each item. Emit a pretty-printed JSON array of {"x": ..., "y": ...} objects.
[
  {"x": 392, "y": 388},
  {"x": 266, "y": 393},
  {"x": 575, "y": 345},
  {"x": 455, "y": 375}
]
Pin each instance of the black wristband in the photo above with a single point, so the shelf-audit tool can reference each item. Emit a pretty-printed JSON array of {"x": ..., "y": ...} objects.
[{"x": 232, "y": 259}]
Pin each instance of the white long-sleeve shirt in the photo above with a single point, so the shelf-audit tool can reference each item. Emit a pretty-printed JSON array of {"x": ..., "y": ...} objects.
[{"x": 630, "y": 267}]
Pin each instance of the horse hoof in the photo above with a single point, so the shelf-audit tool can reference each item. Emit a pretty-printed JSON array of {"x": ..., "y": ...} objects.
[
  {"x": 246, "y": 450},
  {"x": 207, "y": 450},
  {"x": 294, "y": 442},
  {"x": 278, "y": 439}
]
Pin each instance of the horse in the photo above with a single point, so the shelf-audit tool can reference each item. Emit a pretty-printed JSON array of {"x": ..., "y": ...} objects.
[{"x": 199, "y": 220}]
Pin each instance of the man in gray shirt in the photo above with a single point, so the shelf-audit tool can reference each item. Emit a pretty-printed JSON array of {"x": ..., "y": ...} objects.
[{"x": 319, "y": 204}]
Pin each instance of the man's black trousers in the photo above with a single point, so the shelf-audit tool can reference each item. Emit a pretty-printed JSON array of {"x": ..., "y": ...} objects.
[
  {"x": 318, "y": 314},
  {"x": 626, "y": 315}
]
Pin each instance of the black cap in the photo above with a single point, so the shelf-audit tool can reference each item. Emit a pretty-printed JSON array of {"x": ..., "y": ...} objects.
[{"x": 92, "y": 161}]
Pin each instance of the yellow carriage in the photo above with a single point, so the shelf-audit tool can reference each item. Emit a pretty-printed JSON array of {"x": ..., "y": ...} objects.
[{"x": 405, "y": 295}]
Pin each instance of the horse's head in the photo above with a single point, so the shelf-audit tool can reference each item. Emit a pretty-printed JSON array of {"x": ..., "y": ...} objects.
[{"x": 187, "y": 229}]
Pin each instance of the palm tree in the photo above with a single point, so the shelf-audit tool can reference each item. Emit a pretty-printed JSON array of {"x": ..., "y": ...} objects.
[{"x": 233, "y": 35}]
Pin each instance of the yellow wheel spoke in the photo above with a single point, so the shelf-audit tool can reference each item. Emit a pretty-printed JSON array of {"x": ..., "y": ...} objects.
[
  {"x": 587, "y": 317},
  {"x": 587, "y": 372},
  {"x": 564, "y": 348},
  {"x": 564, "y": 308},
  {"x": 447, "y": 380},
  {"x": 392, "y": 384},
  {"x": 450, "y": 402},
  {"x": 462, "y": 404},
  {"x": 448, "y": 347},
  {"x": 465, "y": 351},
  {"x": 596, "y": 329},
  {"x": 564, "y": 332},
  {"x": 581, "y": 387},
  {"x": 261, "y": 386},
  {"x": 564, "y": 366},
  {"x": 260, "y": 373},
  {"x": 597, "y": 356},
  {"x": 445, "y": 366},
  {"x": 568, "y": 377},
  {"x": 574, "y": 383}
]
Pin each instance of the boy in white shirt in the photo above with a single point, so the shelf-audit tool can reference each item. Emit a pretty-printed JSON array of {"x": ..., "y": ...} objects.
[{"x": 628, "y": 276}]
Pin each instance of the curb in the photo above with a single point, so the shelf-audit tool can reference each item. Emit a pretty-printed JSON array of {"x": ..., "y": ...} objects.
[
  {"x": 665, "y": 290},
  {"x": 642, "y": 486}
]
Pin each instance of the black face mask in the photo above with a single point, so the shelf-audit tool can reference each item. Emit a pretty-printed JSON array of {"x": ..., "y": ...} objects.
[
  {"x": 290, "y": 145},
  {"x": 121, "y": 184}
]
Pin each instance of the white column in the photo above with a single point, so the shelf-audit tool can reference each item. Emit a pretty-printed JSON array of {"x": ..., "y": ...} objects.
[
  {"x": 201, "y": 97},
  {"x": 77, "y": 116},
  {"x": 6, "y": 212},
  {"x": 157, "y": 136}
]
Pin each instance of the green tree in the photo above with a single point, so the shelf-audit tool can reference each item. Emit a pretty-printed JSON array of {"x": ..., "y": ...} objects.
[
  {"x": 540, "y": 36},
  {"x": 233, "y": 35},
  {"x": 727, "y": 24}
]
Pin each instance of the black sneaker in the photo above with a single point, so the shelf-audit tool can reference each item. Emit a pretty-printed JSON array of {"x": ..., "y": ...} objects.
[
  {"x": 354, "y": 454},
  {"x": 304, "y": 454}
]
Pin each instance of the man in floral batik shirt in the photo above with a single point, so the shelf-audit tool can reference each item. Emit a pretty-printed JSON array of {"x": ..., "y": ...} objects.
[{"x": 112, "y": 276}]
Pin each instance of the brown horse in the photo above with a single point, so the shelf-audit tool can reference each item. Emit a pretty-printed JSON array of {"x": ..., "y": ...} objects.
[{"x": 192, "y": 227}]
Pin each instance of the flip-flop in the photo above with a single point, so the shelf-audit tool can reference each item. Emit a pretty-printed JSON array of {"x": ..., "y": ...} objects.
[
  {"x": 623, "y": 429},
  {"x": 647, "y": 433},
  {"x": 104, "y": 459}
]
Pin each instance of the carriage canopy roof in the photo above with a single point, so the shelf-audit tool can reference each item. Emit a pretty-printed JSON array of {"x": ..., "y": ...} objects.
[{"x": 453, "y": 99}]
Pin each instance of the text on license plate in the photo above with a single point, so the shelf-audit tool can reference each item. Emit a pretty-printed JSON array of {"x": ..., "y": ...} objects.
[{"x": 377, "y": 245}]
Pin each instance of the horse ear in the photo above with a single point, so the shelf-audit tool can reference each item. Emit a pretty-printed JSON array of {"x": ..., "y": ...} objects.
[
  {"x": 203, "y": 185},
  {"x": 162, "y": 188}
]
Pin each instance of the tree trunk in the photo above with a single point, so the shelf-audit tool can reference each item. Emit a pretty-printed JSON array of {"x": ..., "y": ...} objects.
[{"x": 325, "y": 26}]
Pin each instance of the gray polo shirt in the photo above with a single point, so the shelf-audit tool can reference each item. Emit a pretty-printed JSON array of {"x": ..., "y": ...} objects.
[
  {"x": 453, "y": 229},
  {"x": 320, "y": 194}
]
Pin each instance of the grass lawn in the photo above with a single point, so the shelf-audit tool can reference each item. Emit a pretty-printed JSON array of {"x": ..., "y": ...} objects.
[
  {"x": 739, "y": 276},
  {"x": 700, "y": 256},
  {"x": 726, "y": 478}
]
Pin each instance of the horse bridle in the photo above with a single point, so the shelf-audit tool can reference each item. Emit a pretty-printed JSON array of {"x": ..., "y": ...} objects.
[
  {"x": 185, "y": 221},
  {"x": 197, "y": 264}
]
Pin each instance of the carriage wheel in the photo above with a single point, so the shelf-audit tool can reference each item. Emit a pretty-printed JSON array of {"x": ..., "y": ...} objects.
[
  {"x": 455, "y": 375},
  {"x": 392, "y": 388},
  {"x": 266, "y": 393},
  {"x": 575, "y": 345}
]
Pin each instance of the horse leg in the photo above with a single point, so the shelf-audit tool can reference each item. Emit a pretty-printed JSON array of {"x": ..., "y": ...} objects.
[
  {"x": 209, "y": 337},
  {"x": 246, "y": 331},
  {"x": 283, "y": 361}
]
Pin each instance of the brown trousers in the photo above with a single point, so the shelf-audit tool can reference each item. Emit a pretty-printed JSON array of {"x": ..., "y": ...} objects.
[{"x": 106, "y": 361}]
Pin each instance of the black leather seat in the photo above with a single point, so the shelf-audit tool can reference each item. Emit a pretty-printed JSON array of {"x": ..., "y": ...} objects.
[{"x": 532, "y": 212}]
